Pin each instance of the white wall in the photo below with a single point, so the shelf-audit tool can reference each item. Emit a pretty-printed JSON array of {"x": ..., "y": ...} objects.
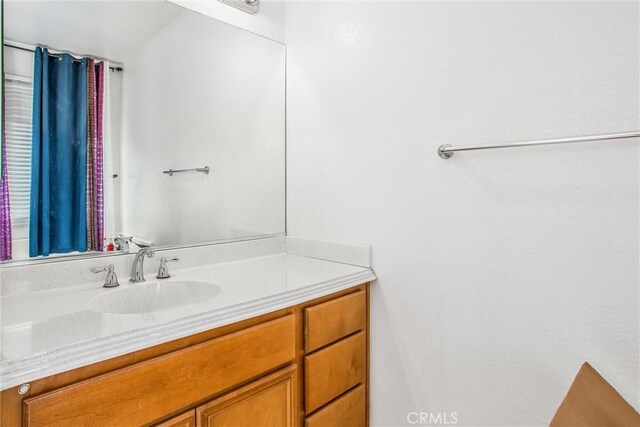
[
  {"x": 268, "y": 22},
  {"x": 203, "y": 93},
  {"x": 500, "y": 271},
  {"x": 102, "y": 29}
]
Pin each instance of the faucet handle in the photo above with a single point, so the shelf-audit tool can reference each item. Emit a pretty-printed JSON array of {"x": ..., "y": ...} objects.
[
  {"x": 163, "y": 270},
  {"x": 111, "y": 281}
]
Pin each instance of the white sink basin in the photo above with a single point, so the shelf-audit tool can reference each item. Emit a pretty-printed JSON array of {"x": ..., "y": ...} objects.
[{"x": 155, "y": 296}]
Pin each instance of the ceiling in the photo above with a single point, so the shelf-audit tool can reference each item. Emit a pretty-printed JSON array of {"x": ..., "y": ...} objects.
[{"x": 104, "y": 29}]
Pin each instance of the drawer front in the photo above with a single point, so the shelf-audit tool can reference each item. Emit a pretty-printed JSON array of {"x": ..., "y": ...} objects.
[
  {"x": 150, "y": 390},
  {"x": 334, "y": 370},
  {"x": 349, "y": 410},
  {"x": 328, "y": 322}
]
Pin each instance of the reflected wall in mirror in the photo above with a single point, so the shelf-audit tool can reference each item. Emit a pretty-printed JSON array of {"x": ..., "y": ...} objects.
[{"x": 138, "y": 123}]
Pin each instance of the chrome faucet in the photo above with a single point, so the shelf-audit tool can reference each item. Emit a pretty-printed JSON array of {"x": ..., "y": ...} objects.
[
  {"x": 163, "y": 270},
  {"x": 111, "y": 280},
  {"x": 137, "y": 269}
]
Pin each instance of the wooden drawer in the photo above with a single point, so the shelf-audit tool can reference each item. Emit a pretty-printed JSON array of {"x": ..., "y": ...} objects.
[
  {"x": 328, "y": 322},
  {"x": 148, "y": 391},
  {"x": 334, "y": 370},
  {"x": 267, "y": 402},
  {"x": 349, "y": 410}
]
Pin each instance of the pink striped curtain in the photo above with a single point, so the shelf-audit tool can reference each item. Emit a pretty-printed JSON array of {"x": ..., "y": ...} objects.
[
  {"x": 5, "y": 211},
  {"x": 99, "y": 153},
  {"x": 95, "y": 178}
]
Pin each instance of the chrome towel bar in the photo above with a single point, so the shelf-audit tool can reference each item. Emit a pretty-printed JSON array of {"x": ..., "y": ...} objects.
[
  {"x": 170, "y": 172},
  {"x": 446, "y": 151}
]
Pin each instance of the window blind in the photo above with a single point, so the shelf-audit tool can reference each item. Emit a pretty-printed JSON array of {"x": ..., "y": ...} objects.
[{"x": 18, "y": 106}]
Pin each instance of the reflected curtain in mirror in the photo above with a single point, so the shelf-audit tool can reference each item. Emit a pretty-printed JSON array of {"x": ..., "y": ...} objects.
[
  {"x": 57, "y": 221},
  {"x": 95, "y": 87},
  {"x": 5, "y": 209}
]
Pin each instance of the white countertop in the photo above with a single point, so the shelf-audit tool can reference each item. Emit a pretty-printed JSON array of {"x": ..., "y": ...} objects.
[{"x": 51, "y": 331}]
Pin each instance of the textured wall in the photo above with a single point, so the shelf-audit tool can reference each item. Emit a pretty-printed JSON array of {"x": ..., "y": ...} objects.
[{"x": 501, "y": 271}]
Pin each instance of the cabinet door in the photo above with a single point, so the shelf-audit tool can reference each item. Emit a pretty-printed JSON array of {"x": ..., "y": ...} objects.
[
  {"x": 266, "y": 402},
  {"x": 185, "y": 419}
]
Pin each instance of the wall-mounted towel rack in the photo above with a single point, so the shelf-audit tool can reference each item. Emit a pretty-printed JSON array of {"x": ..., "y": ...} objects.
[
  {"x": 446, "y": 151},
  {"x": 170, "y": 172}
]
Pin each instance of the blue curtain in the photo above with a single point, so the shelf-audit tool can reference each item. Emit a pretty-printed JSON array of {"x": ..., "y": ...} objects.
[{"x": 58, "y": 219}]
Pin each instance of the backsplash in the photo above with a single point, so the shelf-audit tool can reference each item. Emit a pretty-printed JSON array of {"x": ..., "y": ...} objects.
[{"x": 33, "y": 277}]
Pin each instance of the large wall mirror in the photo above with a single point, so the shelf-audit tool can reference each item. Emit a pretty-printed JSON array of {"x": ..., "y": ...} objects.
[{"x": 137, "y": 123}]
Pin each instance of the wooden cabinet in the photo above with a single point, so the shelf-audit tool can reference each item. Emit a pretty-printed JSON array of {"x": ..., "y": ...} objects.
[
  {"x": 303, "y": 365},
  {"x": 336, "y": 363},
  {"x": 268, "y": 402}
]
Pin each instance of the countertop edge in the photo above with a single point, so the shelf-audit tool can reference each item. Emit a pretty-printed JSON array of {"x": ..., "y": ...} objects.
[{"x": 38, "y": 366}]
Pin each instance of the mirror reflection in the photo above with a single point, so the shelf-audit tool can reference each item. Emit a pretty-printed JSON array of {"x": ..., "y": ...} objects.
[{"x": 131, "y": 124}]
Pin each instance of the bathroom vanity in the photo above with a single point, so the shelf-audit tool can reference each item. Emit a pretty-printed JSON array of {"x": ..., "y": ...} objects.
[
  {"x": 307, "y": 363},
  {"x": 245, "y": 326},
  {"x": 283, "y": 342}
]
